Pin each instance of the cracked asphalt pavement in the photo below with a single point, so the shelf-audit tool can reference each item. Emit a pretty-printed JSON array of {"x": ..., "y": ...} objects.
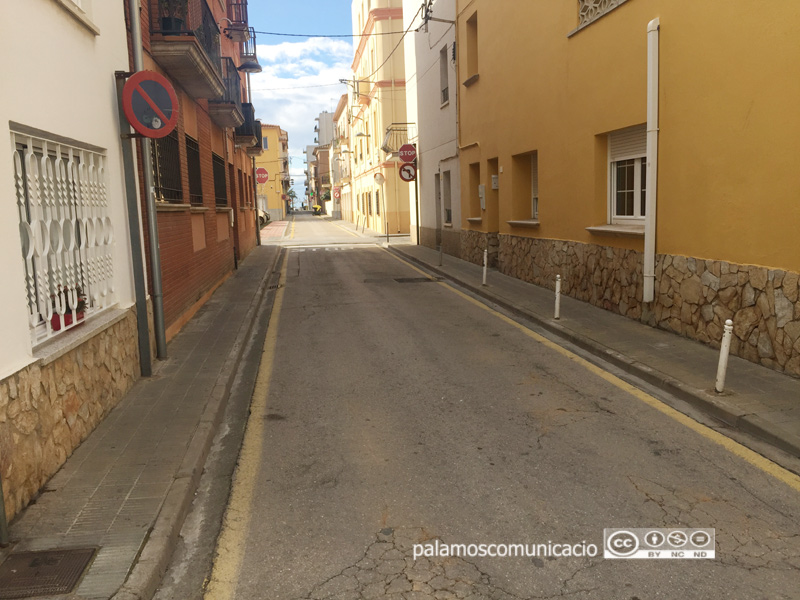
[{"x": 399, "y": 412}]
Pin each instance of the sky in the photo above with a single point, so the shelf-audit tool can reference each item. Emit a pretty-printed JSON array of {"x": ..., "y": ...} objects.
[{"x": 300, "y": 75}]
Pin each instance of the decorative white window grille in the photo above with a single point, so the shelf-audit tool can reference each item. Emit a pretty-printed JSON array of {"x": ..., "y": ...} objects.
[
  {"x": 66, "y": 233},
  {"x": 591, "y": 10}
]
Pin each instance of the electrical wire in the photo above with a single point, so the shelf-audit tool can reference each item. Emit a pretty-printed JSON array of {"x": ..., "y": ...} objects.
[
  {"x": 326, "y": 35},
  {"x": 299, "y": 87},
  {"x": 410, "y": 25}
]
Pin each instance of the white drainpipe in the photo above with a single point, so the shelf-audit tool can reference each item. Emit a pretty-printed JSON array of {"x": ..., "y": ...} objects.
[{"x": 652, "y": 162}]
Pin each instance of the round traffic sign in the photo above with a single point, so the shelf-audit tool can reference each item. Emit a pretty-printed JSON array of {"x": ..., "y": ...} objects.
[
  {"x": 262, "y": 175},
  {"x": 336, "y": 193},
  {"x": 150, "y": 104},
  {"x": 408, "y": 172},
  {"x": 408, "y": 153}
]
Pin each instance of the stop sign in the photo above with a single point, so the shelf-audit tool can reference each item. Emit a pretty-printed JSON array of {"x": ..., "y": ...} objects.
[
  {"x": 408, "y": 153},
  {"x": 262, "y": 175}
]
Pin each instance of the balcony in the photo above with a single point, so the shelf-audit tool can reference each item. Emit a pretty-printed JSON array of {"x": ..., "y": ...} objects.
[
  {"x": 325, "y": 180},
  {"x": 258, "y": 148},
  {"x": 247, "y": 53},
  {"x": 245, "y": 134},
  {"x": 185, "y": 42},
  {"x": 237, "y": 29},
  {"x": 227, "y": 111}
]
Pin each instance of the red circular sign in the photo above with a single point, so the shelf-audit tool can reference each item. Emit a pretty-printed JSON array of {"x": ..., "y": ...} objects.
[
  {"x": 150, "y": 104},
  {"x": 336, "y": 192},
  {"x": 408, "y": 153},
  {"x": 262, "y": 175},
  {"x": 408, "y": 172}
]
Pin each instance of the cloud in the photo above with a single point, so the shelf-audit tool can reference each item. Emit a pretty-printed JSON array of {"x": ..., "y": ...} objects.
[{"x": 299, "y": 80}]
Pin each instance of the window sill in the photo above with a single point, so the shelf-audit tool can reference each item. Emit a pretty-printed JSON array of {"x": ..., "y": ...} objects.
[
  {"x": 471, "y": 80},
  {"x": 226, "y": 209},
  {"x": 527, "y": 223},
  {"x": 170, "y": 207},
  {"x": 79, "y": 15},
  {"x": 447, "y": 225},
  {"x": 618, "y": 230},
  {"x": 199, "y": 209},
  {"x": 476, "y": 220},
  {"x": 58, "y": 346},
  {"x": 445, "y": 104}
]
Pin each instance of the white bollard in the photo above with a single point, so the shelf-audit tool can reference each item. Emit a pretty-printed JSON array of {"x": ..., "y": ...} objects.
[
  {"x": 558, "y": 297},
  {"x": 485, "y": 264},
  {"x": 724, "y": 350}
]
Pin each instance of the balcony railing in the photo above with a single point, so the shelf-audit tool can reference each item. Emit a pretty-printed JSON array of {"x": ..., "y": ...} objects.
[
  {"x": 186, "y": 44},
  {"x": 248, "y": 47},
  {"x": 245, "y": 134},
  {"x": 258, "y": 148},
  {"x": 237, "y": 28},
  {"x": 227, "y": 111},
  {"x": 325, "y": 179}
]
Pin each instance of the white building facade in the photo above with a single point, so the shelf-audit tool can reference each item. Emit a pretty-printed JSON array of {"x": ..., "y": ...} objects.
[
  {"x": 435, "y": 87},
  {"x": 70, "y": 349}
]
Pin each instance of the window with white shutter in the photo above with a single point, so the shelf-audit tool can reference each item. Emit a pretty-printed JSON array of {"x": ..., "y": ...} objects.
[{"x": 627, "y": 157}]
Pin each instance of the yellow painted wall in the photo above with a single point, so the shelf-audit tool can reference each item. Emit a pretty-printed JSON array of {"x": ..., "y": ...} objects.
[
  {"x": 271, "y": 160},
  {"x": 730, "y": 128}
]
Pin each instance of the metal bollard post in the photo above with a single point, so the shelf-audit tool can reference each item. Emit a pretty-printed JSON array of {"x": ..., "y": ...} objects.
[
  {"x": 441, "y": 251},
  {"x": 724, "y": 351},
  {"x": 558, "y": 297},
  {"x": 485, "y": 264}
]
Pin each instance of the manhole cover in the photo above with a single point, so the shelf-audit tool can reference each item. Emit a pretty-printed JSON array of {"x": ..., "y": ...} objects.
[{"x": 30, "y": 574}]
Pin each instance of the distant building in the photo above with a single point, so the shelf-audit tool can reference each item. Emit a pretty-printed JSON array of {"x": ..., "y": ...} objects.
[{"x": 272, "y": 195}]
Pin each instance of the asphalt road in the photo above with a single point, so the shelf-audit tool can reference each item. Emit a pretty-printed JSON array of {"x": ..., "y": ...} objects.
[{"x": 392, "y": 410}]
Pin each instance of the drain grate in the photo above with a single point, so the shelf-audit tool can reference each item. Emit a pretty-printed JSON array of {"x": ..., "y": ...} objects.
[
  {"x": 31, "y": 574},
  {"x": 416, "y": 279}
]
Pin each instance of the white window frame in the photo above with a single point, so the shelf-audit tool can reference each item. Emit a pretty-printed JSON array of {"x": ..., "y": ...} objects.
[{"x": 635, "y": 150}]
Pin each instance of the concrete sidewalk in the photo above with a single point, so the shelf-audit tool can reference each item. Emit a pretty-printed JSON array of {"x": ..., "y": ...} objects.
[
  {"x": 129, "y": 485},
  {"x": 757, "y": 400}
]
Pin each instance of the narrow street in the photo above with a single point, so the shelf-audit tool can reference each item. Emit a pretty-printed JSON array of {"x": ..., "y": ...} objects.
[{"x": 391, "y": 410}]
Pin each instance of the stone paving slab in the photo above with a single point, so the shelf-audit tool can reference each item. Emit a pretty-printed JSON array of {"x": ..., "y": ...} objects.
[
  {"x": 757, "y": 400},
  {"x": 131, "y": 478}
]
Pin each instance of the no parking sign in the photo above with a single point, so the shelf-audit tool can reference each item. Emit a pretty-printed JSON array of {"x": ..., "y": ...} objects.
[{"x": 150, "y": 104}]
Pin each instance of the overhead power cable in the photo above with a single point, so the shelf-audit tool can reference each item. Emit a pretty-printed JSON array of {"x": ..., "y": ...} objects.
[{"x": 327, "y": 35}]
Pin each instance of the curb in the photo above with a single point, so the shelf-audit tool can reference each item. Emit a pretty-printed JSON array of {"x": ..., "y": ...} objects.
[
  {"x": 714, "y": 406},
  {"x": 151, "y": 565}
]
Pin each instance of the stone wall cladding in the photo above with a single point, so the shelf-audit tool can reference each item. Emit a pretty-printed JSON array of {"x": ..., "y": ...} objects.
[
  {"x": 473, "y": 243},
  {"x": 694, "y": 297},
  {"x": 47, "y": 411}
]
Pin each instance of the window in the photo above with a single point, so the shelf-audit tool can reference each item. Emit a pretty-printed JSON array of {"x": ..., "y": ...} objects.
[
  {"x": 472, "y": 49},
  {"x": 220, "y": 188},
  {"x": 167, "y": 169},
  {"x": 369, "y": 203},
  {"x": 446, "y": 200},
  {"x": 591, "y": 10},
  {"x": 627, "y": 155},
  {"x": 63, "y": 211},
  {"x": 443, "y": 72},
  {"x": 535, "y": 186},
  {"x": 378, "y": 203},
  {"x": 193, "y": 163},
  {"x": 242, "y": 192}
]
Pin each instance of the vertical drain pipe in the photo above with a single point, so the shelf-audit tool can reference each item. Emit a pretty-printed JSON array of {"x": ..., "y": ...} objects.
[
  {"x": 652, "y": 162},
  {"x": 152, "y": 218}
]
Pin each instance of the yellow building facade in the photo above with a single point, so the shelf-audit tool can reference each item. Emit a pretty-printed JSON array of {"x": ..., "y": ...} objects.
[
  {"x": 595, "y": 134},
  {"x": 272, "y": 197},
  {"x": 377, "y": 102}
]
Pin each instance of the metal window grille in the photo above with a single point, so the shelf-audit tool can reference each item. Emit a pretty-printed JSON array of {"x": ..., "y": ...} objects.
[
  {"x": 242, "y": 193},
  {"x": 167, "y": 169},
  {"x": 66, "y": 234},
  {"x": 193, "y": 164},
  {"x": 220, "y": 189}
]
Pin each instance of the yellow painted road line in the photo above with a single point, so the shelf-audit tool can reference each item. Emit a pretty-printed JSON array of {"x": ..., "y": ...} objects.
[
  {"x": 347, "y": 230},
  {"x": 408, "y": 264},
  {"x": 232, "y": 539},
  {"x": 755, "y": 459}
]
